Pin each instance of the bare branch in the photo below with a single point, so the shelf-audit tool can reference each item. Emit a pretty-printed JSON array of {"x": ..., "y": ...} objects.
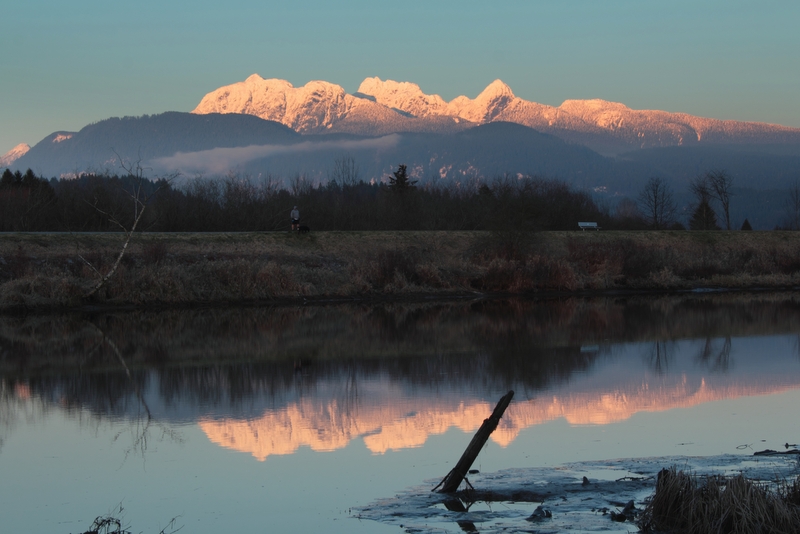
[
  {"x": 720, "y": 183},
  {"x": 119, "y": 258},
  {"x": 140, "y": 201},
  {"x": 657, "y": 203},
  {"x": 92, "y": 267}
]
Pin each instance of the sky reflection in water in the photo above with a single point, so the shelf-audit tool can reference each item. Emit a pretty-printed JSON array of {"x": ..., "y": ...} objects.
[{"x": 242, "y": 403}]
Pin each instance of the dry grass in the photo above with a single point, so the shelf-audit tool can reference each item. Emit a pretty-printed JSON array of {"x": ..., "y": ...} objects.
[
  {"x": 717, "y": 504},
  {"x": 48, "y": 270}
]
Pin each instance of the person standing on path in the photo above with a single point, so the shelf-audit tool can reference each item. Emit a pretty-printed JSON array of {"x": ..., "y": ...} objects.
[{"x": 295, "y": 215}]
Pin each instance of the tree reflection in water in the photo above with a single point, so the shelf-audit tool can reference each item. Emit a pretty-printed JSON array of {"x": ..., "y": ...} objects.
[
  {"x": 716, "y": 358},
  {"x": 141, "y": 422},
  {"x": 143, "y": 365},
  {"x": 661, "y": 355}
]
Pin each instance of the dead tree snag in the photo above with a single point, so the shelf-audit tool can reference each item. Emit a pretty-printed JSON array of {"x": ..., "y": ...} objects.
[{"x": 452, "y": 481}]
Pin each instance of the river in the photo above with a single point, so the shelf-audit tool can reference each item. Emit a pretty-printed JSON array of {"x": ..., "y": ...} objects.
[{"x": 286, "y": 419}]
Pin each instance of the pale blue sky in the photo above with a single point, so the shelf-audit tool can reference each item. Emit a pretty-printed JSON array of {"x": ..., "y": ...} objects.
[{"x": 66, "y": 64}]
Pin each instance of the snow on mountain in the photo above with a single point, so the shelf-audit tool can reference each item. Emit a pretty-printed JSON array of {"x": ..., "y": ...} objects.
[
  {"x": 316, "y": 105},
  {"x": 380, "y": 107},
  {"x": 605, "y": 126},
  {"x": 14, "y": 154},
  {"x": 486, "y": 106},
  {"x": 405, "y": 96},
  {"x": 408, "y": 97}
]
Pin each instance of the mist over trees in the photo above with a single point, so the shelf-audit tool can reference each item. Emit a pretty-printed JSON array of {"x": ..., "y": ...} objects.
[
  {"x": 239, "y": 202},
  {"x": 242, "y": 202}
]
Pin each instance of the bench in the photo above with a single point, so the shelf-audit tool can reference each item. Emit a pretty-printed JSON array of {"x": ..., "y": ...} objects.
[{"x": 589, "y": 225}]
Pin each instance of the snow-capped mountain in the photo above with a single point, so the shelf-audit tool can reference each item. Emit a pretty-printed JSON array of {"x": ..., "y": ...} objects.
[
  {"x": 405, "y": 96},
  {"x": 380, "y": 107},
  {"x": 14, "y": 154},
  {"x": 318, "y": 107}
]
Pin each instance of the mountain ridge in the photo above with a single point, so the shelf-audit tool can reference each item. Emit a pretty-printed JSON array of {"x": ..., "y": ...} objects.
[
  {"x": 381, "y": 107},
  {"x": 14, "y": 154},
  {"x": 245, "y": 145},
  {"x": 99, "y": 146}
]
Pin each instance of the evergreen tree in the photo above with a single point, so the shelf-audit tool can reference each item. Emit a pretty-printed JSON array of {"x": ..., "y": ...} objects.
[
  {"x": 703, "y": 217},
  {"x": 8, "y": 179},
  {"x": 29, "y": 179},
  {"x": 400, "y": 182},
  {"x": 746, "y": 225}
]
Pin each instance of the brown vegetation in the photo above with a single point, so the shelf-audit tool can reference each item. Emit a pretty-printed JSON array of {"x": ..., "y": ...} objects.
[
  {"x": 687, "y": 503},
  {"x": 45, "y": 270}
]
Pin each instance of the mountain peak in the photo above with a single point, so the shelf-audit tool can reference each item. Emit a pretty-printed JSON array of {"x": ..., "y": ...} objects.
[
  {"x": 487, "y": 106},
  {"x": 14, "y": 154},
  {"x": 254, "y": 78},
  {"x": 405, "y": 96},
  {"x": 497, "y": 88},
  {"x": 316, "y": 105}
]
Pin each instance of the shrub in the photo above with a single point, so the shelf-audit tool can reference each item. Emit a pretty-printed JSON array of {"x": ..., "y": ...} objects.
[
  {"x": 588, "y": 257},
  {"x": 393, "y": 267},
  {"x": 154, "y": 252}
]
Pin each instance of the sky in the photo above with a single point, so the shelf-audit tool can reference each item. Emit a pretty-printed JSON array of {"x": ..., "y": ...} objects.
[{"x": 64, "y": 65}]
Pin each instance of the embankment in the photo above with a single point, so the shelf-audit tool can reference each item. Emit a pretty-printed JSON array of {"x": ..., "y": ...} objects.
[{"x": 49, "y": 271}]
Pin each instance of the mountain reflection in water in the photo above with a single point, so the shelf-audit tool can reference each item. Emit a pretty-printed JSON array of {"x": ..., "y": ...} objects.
[{"x": 269, "y": 381}]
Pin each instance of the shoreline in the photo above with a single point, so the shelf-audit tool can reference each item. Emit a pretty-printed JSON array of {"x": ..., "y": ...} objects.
[
  {"x": 569, "y": 500},
  {"x": 52, "y": 272},
  {"x": 411, "y": 298}
]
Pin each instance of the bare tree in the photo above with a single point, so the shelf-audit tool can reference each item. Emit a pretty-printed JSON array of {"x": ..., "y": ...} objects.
[
  {"x": 703, "y": 215},
  {"x": 345, "y": 171},
  {"x": 713, "y": 185},
  {"x": 792, "y": 207},
  {"x": 700, "y": 188},
  {"x": 140, "y": 200},
  {"x": 299, "y": 185},
  {"x": 719, "y": 185},
  {"x": 657, "y": 203}
]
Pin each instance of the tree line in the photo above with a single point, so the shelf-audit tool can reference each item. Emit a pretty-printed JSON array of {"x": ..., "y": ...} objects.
[
  {"x": 659, "y": 211},
  {"x": 237, "y": 202},
  {"x": 99, "y": 202}
]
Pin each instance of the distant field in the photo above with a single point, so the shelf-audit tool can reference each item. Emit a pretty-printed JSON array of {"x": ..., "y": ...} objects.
[{"x": 57, "y": 270}]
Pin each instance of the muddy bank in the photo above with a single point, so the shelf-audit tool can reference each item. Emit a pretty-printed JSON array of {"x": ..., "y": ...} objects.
[{"x": 50, "y": 271}]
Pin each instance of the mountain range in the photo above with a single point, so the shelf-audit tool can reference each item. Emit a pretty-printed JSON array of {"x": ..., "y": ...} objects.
[
  {"x": 268, "y": 127},
  {"x": 380, "y": 107}
]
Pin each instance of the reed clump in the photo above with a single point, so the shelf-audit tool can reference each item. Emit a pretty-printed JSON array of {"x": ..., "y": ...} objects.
[{"x": 688, "y": 503}]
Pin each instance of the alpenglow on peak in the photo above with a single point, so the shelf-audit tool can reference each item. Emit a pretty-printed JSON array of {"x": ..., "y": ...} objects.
[{"x": 387, "y": 106}]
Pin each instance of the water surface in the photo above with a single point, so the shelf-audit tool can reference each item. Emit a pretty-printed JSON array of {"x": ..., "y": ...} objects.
[{"x": 285, "y": 419}]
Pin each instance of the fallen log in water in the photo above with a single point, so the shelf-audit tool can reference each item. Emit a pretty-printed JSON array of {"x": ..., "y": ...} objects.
[{"x": 453, "y": 479}]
